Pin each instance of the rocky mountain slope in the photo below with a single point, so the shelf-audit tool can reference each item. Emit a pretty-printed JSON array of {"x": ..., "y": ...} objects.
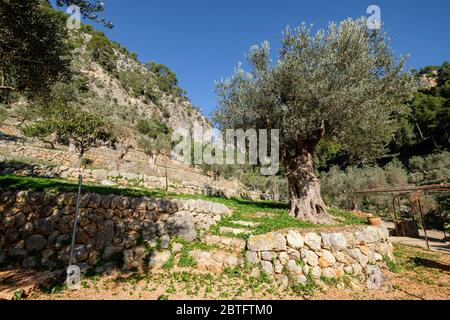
[{"x": 122, "y": 89}]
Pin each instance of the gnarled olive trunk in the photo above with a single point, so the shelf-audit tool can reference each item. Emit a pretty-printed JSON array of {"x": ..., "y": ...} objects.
[{"x": 304, "y": 187}]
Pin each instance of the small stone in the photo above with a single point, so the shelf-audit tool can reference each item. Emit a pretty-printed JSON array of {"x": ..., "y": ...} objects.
[
  {"x": 301, "y": 280},
  {"x": 252, "y": 257},
  {"x": 283, "y": 257},
  {"x": 267, "y": 267},
  {"x": 157, "y": 259},
  {"x": 313, "y": 241},
  {"x": 177, "y": 247},
  {"x": 327, "y": 259},
  {"x": 182, "y": 224},
  {"x": 283, "y": 282},
  {"x": 294, "y": 239},
  {"x": 94, "y": 258},
  {"x": 306, "y": 269},
  {"x": 348, "y": 269},
  {"x": 44, "y": 226},
  {"x": 316, "y": 272},
  {"x": 11, "y": 235},
  {"x": 8, "y": 222},
  {"x": 268, "y": 256},
  {"x": 311, "y": 258},
  {"x": 334, "y": 241},
  {"x": 328, "y": 273},
  {"x": 165, "y": 242},
  {"x": 293, "y": 267},
  {"x": 80, "y": 253},
  {"x": 375, "y": 278},
  {"x": 356, "y": 254},
  {"x": 36, "y": 243},
  {"x": 277, "y": 267},
  {"x": 357, "y": 269},
  {"x": 342, "y": 257}
]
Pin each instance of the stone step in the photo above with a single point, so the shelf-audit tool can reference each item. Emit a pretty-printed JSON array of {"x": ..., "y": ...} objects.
[
  {"x": 233, "y": 244},
  {"x": 260, "y": 214},
  {"x": 216, "y": 260},
  {"x": 236, "y": 231},
  {"x": 246, "y": 223}
]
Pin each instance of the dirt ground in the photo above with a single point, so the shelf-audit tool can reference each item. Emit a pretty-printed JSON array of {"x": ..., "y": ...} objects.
[{"x": 417, "y": 274}]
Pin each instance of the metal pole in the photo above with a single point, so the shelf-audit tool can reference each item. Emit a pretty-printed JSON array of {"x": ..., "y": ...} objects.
[
  {"x": 442, "y": 221},
  {"x": 75, "y": 220},
  {"x": 423, "y": 223}
]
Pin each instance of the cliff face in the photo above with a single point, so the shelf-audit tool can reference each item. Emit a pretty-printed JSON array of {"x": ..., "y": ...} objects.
[{"x": 125, "y": 89}]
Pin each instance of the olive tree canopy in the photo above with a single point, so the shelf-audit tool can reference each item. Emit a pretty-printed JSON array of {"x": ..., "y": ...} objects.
[{"x": 343, "y": 83}]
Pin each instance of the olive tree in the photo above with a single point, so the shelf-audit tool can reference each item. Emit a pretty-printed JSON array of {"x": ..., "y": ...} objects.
[
  {"x": 342, "y": 83},
  {"x": 65, "y": 116}
]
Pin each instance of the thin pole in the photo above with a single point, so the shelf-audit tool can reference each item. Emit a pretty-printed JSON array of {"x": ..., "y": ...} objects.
[
  {"x": 75, "y": 220},
  {"x": 423, "y": 224},
  {"x": 442, "y": 220}
]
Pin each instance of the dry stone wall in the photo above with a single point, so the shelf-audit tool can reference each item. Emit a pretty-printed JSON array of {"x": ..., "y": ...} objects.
[
  {"x": 295, "y": 258},
  {"x": 36, "y": 227}
]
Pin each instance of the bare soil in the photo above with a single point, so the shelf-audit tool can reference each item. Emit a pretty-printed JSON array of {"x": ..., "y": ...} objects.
[{"x": 417, "y": 274}]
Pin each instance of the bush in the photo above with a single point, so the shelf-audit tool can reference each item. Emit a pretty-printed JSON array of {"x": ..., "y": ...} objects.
[{"x": 339, "y": 186}]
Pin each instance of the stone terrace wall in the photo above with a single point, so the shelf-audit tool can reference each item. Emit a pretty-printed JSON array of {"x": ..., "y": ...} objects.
[
  {"x": 36, "y": 227},
  {"x": 292, "y": 256}
]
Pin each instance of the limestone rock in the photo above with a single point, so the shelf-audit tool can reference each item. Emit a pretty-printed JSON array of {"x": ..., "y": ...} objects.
[
  {"x": 294, "y": 239},
  {"x": 268, "y": 255},
  {"x": 157, "y": 259},
  {"x": 316, "y": 272},
  {"x": 313, "y": 241},
  {"x": 36, "y": 243},
  {"x": 311, "y": 258},
  {"x": 182, "y": 224},
  {"x": 283, "y": 257},
  {"x": 327, "y": 259},
  {"x": 334, "y": 241},
  {"x": 267, "y": 242},
  {"x": 267, "y": 267},
  {"x": 293, "y": 267},
  {"x": 328, "y": 273}
]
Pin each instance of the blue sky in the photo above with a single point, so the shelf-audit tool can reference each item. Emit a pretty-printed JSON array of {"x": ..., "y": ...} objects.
[{"x": 203, "y": 40}]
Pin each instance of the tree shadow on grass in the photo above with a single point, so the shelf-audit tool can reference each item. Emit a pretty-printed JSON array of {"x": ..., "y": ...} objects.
[
  {"x": 263, "y": 205},
  {"x": 423, "y": 262}
]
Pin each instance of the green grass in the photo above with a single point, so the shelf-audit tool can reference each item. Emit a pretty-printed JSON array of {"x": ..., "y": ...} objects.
[
  {"x": 392, "y": 266},
  {"x": 186, "y": 260},
  {"x": 348, "y": 217}
]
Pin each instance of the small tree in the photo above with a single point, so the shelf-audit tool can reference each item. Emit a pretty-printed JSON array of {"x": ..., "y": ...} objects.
[
  {"x": 123, "y": 135},
  {"x": 82, "y": 129},
  {"x": 343, "y": 83},
  {"x": 154, "y": 138},
  {"x": 42, "y": 131}
]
